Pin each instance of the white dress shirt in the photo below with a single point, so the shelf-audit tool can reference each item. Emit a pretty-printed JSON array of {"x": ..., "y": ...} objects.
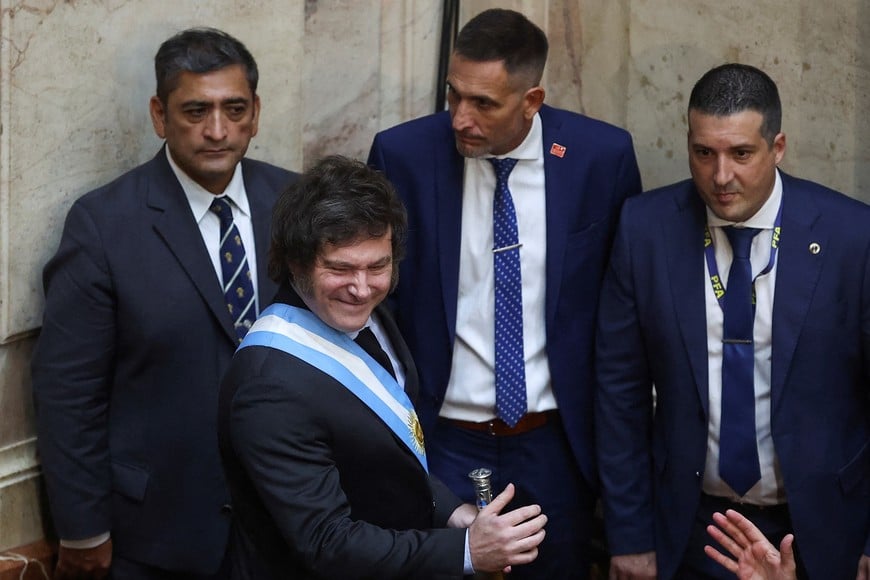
[
  {"x": 769, "y": 490},
  {"x": 470, "y": 392}
]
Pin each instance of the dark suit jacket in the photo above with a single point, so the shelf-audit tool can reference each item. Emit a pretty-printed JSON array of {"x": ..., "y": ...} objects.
[
  {"x": 135, "y": 339},
  {"x": 653, "y": 330},
  {"x": 322, "y": 487},
  {"x": 584, "y": 191}
]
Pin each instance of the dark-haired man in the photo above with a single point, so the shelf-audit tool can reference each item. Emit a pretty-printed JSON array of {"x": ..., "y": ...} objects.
[
  {"x": 512, "y": 207},
  {"x": 157, "y": 277},
  {"x": 320, "y": 440},
  {"x": 743, "y": 296}
]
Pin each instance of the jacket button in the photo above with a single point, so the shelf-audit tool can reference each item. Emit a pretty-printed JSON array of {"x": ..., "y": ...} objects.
[{"x": 227, "y": 509}]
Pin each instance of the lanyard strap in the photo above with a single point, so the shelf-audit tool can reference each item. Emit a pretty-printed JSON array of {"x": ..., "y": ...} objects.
[{"x": 713, "y": 269}]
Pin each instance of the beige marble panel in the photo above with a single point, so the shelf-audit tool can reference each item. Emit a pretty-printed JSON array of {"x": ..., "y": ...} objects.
[
  {"x": 809, "y": 49},
  {"x": 20, "y": 513},
  {"x": 16, "y": 402},
  {"x": 368, "y": 65},
  {"x": 76, "y": 79},
  {"x": 21, "y": 508}
]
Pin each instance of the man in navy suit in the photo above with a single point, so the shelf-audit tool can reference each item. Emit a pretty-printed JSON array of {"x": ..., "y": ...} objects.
[
  {"x": 138, "y": 329},
  {"x": 569, "y": 180},
  {"x": 321, "y": 443},
  {"x": 770, "y": 418}
]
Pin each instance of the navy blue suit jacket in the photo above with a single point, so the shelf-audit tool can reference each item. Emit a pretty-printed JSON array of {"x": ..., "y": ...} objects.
[
  {"x": 584, "y": 191},
  {"x": 135, "y": 339},
  {"x": 322, "y": 488},
  {"x": 653, "y": 331}
]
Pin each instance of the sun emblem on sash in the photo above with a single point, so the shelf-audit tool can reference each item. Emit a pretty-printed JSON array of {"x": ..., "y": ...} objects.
[{"x": 416, "y": 432}]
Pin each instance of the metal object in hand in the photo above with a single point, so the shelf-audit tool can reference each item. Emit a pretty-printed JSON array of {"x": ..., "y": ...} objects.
[{"x": 482, "y": 486}]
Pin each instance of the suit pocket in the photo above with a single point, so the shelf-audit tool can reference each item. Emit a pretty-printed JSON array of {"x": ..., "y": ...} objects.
[
  {"x": 129, "y": 480},
  {"x": 854, "y": 478}
]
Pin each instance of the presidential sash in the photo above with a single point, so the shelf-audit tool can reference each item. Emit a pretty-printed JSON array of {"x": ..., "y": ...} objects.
[{"x": 300, "y": 333}]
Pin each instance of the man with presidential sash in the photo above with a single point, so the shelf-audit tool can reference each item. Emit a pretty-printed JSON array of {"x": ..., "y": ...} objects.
[{"x": 320, "y": 440}]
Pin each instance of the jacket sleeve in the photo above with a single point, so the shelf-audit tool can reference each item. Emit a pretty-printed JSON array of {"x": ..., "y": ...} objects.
[
  {"x": 623, "y": 408},
  {"x": 71, "y": 367}
]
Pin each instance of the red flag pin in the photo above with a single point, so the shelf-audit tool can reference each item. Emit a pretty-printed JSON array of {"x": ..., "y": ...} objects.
[{"x": 558, "y": 150}]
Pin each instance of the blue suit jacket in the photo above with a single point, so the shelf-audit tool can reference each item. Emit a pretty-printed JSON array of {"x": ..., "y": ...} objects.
[
  {"x": 653, "y": 331},
  {"x": 584, "y": 191},
  {"x": 135, "y": 339}
]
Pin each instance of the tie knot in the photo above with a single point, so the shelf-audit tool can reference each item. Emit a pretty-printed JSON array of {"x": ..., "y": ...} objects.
[
  {"x": 741, "y": 240},
  {"x": 503, "y": 167},
  {"x": 221, "y": 207}
]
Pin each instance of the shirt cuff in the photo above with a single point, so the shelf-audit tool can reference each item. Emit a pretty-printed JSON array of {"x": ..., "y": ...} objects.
[
  {"x": 468, "y": 568},
  {"x": 95, "y": 541}
]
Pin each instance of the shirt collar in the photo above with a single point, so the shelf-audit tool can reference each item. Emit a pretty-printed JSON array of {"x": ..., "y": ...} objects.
[
  {"x": 200, "y": 198},
  {"x": 763, "y": 219}
]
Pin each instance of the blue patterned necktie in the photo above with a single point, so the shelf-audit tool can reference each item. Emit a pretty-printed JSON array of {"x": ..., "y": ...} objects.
[
  {"x": 738, "y": 451},
  {"x": 237, "y": 284},
  {"x": 510, "y": 367}
]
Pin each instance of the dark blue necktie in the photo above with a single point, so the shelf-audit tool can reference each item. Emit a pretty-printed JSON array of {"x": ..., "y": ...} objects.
[
  {"x": 510, "y": 367},
  {"x": 237, "y": 284},
  {"x": 738, "y": 451}
]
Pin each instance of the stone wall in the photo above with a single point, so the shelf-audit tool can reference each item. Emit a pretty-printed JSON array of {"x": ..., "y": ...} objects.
[{"x": 76, "y": 76}]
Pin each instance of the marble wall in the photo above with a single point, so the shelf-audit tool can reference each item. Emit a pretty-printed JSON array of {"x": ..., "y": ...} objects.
[{"x": 76, "y": 75}]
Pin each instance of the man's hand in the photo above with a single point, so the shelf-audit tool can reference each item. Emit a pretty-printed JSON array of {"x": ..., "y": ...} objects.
[
  {"x": 863, "y": 568},
  {"x": 91, "y": 563},
  {"x": 498, "y": 541},
  {"x": 754, "y": 557},
  {"x": 463, "y": 516},
  {"x": 633, "y": 566}
]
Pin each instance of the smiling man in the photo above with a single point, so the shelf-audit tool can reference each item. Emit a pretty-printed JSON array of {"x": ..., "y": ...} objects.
[
  {"x": 320, "y": 439},
  {"x": 742, "y": 296},
  {"x": 158, "y": 276},
  {"x": 512, "y": 206}
]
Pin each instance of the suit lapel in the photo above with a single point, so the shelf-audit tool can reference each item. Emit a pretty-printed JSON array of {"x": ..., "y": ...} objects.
[
  {"x": 557, "y": 173},
  {"x": 684, "y": 240},
  {"x": 449, "y": 168},
  {"x": 797, "y": 275},
  {"x": 261, "y": 217},
  {"x": 174, "y": 223}
]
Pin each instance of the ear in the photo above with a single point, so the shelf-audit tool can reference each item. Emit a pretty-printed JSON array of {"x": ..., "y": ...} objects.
[
  {"x": 255, "y": 122},
  {"x": 779, "y": 147},
  {"x": 532, "y": 101},
  {"x": 158, "y": 116}
]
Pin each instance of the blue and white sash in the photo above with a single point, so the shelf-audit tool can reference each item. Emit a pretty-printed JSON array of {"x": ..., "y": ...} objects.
[{"x": 300, "y": 333}]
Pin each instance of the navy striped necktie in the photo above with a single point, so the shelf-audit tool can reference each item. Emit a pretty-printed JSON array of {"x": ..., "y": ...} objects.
[{"x": 237, "y": 284}]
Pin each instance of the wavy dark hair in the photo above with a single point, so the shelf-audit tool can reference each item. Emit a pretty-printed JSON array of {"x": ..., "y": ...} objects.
[{"x": 337, "y": 201}]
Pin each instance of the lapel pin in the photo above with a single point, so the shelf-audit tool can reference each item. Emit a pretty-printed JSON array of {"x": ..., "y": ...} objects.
[
  {"x": 558, "y": 150},
  {"x": 815, "y": 248}
]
